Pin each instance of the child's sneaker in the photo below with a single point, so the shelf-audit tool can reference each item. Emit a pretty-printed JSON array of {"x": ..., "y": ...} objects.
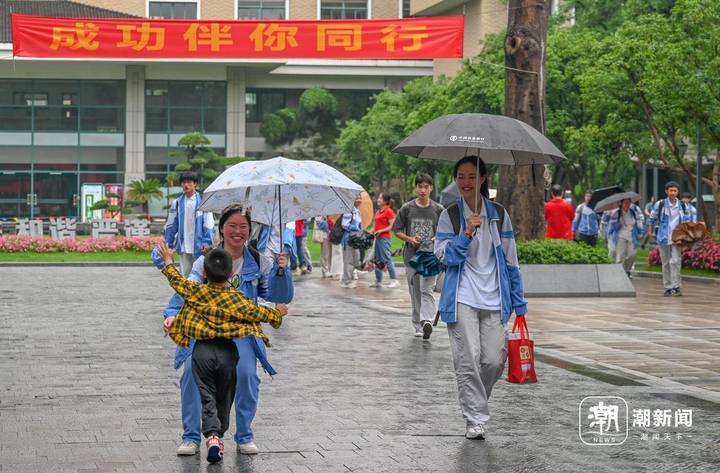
[{"x": 215, "y": 449}]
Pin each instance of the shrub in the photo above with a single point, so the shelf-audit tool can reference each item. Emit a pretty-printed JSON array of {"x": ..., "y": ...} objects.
[
  {"x": 704, "y": 254},
  {"x": 560, "y": 252},
  {"x": 292, "y": 121},
  {"x": 318, "y": 101},
  {"x": 273, "y": 129}
]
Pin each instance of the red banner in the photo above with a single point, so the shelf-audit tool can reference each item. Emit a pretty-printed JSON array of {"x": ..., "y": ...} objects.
[{"x": 95, "y": 38}]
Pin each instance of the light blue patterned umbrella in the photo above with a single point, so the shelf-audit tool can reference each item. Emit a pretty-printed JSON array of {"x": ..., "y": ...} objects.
[{"x": 282, "y": 190}]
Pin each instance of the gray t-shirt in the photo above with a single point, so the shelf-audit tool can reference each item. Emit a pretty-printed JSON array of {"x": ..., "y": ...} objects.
[{"x": 416, "y": 221}]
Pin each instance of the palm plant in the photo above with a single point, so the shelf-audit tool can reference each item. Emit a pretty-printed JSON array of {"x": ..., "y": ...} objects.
[{"x": 142, "y": 191}]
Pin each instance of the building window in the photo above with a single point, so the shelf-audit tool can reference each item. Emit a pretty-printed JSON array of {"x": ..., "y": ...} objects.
[
  {"x": 173, "y": 10},
  {"x": 259, "y": 102},
  {"x": 62, "y": 105},
  {"x": 343, "y": 9},
  {"x": 261, "y": 9},
  {"x": 405, "y": 8},
  {"x": 185, "y": 106}
]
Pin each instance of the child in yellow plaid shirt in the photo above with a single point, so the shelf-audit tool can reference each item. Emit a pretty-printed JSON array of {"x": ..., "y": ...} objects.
[{"x": 214, "y": 314}]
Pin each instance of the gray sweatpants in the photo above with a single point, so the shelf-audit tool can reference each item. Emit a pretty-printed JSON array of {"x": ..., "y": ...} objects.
[
  {"x": 625, "y": 253},
  {"x": 351, "y": 257},
  {"x": 186, "y": 263},
  {"x": 671, "y": 258},
  {"x": 421, "y": 297},
  {"x": 479, "y": 347},
  {"x": 326, "y": 257}
]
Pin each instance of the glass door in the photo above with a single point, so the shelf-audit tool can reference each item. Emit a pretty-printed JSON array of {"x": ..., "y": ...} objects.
[
  {"x": 16, "y": 195},
  {"x": 56, "y": 194}
]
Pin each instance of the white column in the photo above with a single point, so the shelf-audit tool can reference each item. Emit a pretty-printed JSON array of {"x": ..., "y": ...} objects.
[
  {"x": 134, "y": 123},
  {"x": 235, "y": 138}
]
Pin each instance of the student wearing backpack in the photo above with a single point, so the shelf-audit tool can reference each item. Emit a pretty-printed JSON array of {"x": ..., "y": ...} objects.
[
  {"x": 625, "y": 227},
  {"x": 349, "y": 223},
  {"x": 416, "y": 224},
  {"x": 668, "y": 214},
  {"x": 586, "y": 223},
  {"x": 482, "y": 289}
]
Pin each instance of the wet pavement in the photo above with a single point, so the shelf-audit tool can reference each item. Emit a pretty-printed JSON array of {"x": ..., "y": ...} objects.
[{"x": 87, "y": 385}]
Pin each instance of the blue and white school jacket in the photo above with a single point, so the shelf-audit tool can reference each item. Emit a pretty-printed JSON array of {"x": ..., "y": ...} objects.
[
  {"x": 452, "y": 250},
  {"x": 586, "y": 221},
  {"x": 614, "y": 225},
  {"x": 175, "y": 226},
  {"x": 351, "y": 222},
  {"x": 664, "y": 232}
]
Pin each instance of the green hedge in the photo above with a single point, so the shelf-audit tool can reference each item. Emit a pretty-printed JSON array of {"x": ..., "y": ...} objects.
[{"x": 560, "y": 252}]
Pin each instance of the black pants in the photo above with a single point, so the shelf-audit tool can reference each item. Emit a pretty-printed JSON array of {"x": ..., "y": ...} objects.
[
  {"x": 589, "y": 239},
  {"x": 213, "y": 367}
]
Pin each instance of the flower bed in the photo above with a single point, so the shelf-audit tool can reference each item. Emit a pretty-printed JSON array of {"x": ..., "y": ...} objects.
[
  {"x": 19, "y": 244},
  {"x": 704, "y": 254}
]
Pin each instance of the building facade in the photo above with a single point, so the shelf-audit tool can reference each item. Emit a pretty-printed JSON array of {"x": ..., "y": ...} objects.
[{"x": 66, "y": 126}]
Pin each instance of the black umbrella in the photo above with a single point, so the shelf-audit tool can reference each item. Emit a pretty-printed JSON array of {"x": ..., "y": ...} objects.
[
  {"x": 449, "y": 195},
  {"x": 495, "y": 138},
  {"x": 600, "y": 194},
  {"x": 613, "y": 201}
]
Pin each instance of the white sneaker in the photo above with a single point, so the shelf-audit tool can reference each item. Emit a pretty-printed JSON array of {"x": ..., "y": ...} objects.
[
  {"x": 418, "y": 334},
  {"x": 355, "y": 274},
  {"x": 248, "y": 448},
  {"x": 188, "y": 448},
  {"x": 348, "y": 285},
  {"x": 393, "y": 283},
  {"x": 375, "y": 284},
  {"x": 475, "y": 432}
]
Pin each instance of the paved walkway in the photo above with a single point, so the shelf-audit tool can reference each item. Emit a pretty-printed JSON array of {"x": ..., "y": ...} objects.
[{"x": 87, "y": 385}]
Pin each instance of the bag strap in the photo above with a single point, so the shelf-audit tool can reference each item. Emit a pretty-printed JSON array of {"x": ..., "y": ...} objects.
[
  {"x": 521, "y": 326},
  {"x": 454, "y": 214}
]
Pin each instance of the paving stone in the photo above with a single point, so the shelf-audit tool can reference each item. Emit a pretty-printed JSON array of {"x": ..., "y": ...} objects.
[{"x": 87, "y": 383}]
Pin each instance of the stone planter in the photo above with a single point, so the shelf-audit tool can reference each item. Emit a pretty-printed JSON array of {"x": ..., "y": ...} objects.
[{"x": 576, "y": 280}]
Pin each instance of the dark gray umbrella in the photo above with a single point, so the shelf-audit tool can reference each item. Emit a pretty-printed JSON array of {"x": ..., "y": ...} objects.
[
  {"x": 600, "y": 194},
  {"x": 495, "y": 138},
  {"x": 613, "y": 202},
  {"x": 449, "y": 195}
]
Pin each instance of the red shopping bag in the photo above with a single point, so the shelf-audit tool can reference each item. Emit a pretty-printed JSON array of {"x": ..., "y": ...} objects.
[{"x": 521, "y": 355}]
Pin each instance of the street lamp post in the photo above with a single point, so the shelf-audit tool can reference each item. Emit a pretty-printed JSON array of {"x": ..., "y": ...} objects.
[{"x": 698, "y": 174}]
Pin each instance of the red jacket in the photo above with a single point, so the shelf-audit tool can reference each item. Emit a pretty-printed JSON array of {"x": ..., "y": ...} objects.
[{"x": 559, "y": 216}]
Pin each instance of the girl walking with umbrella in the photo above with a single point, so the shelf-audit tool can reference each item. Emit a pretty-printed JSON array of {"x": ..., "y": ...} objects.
[{"x": 482, "y": 289}]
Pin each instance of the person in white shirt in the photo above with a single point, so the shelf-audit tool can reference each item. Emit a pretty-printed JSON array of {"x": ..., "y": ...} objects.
[
  {"x": 188, "y": 231},
  {"x": 482, "y": 289},
  {"x": 668, "y": 214},
  {"x": 625, "y": 228}
]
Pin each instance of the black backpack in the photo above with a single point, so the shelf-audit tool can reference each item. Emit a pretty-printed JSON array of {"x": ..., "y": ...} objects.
[
  {"x": 337, "y": 232},
  {"x": 454, "y": 214}
]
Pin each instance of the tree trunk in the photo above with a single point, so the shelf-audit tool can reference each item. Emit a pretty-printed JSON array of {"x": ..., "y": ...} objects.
[{"x": 521, "y": 189}]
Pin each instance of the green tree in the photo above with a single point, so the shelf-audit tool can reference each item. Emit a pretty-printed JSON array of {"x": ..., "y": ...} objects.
[
  {"x": 200, "y": 158},
  {"x": 143, "y": 191},
  {"x": 365, "y": 145},
  {"x": 273, "y": 128},
  {"x": 114, "y": 209},
  {"x": 663, "y": 83}
]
